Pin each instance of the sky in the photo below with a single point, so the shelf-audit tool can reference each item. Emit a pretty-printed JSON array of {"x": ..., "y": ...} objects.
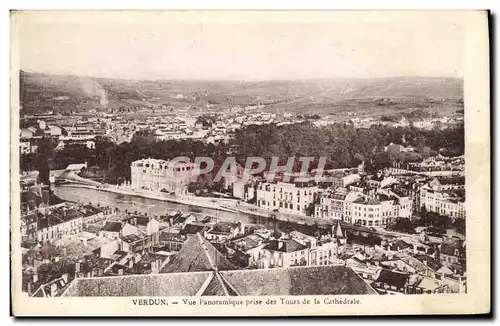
[{"x": 239, "y": 45}]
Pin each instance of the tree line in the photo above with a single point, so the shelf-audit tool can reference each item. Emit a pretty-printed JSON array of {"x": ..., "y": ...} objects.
[{"x": 343, "y": 145}]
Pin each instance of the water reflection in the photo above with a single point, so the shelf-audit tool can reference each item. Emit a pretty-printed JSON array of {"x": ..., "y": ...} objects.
[{"x": 157, "y": 207}]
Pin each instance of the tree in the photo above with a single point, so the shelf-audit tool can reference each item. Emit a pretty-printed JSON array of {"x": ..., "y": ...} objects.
[
  {"x": 403, "y": 225},
  {"x": 48, "y": 251},
  {"x": 459, "y": 225},
  {"x": 195, "y": 187}
]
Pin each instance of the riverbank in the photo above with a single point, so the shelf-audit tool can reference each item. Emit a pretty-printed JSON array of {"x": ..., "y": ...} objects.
[
  {"x": 230, "y": 210},
  {"x": 190, "y": 200},
  {"x": 218, "y": 204}
]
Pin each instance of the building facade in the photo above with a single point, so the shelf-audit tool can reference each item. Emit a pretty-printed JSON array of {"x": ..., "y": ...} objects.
[
  {"x": 160, "y": 175},
  {"x": 446, "y": 202},
  {"x": 292, "y": 198}
]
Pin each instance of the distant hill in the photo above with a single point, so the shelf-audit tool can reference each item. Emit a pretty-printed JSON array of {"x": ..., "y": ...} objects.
[{"x": 45, "y": 92}]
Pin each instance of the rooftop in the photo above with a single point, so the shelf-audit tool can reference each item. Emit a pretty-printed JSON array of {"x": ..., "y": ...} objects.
[
  {"x": 288, "y": 245},
  {"x": 112, "y": 226},
  {"x": 197, "y": 255},
  {"x": 318, "y": 280}
]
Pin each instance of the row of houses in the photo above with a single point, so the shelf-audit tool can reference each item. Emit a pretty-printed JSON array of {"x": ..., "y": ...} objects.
[
  {"x": 53, "y": 222},
  {"x": 358, "y": 199}
]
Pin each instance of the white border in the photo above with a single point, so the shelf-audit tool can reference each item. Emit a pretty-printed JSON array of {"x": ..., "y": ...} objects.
[{"x": 145, "y": 4}]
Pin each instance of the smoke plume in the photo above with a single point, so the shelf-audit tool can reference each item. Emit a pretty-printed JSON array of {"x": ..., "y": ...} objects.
[{"x": 92, "y": 88}]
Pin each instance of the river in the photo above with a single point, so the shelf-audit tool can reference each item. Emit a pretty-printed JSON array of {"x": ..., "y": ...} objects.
[{"x": 158, "y": 207}]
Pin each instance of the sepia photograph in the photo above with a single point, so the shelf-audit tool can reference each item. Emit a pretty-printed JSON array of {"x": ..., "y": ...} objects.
[{"x": 262, "y": 163}]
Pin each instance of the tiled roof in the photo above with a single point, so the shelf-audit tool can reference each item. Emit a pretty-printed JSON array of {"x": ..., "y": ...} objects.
[
  {"x": 393, "y": 278},
  {"x": 449, "y": 249},
  {"x": 193, "y": 229},
  {"x": 317, "y": 280},
  {"x": 288, "y": 245},
  {"x": 218, "y": 286},
  {"x": 112, "y": 226},
  {"x": 197, "y": 255},
  {"x": 174, "y": 284}
]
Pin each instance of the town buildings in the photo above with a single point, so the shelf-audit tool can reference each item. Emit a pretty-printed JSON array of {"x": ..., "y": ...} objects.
[
  {"x": 160, "y": 175},
  {"x": 53, "y": 222},
  {"x": 444, "y": 196},
  {"x": 286, "y": 197}
]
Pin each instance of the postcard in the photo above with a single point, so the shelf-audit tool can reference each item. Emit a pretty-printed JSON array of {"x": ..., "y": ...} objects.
[{"x": 250, "y": 163}]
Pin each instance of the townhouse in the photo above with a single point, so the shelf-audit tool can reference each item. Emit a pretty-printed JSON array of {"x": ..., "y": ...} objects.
[{"x": 293, "y": 198}]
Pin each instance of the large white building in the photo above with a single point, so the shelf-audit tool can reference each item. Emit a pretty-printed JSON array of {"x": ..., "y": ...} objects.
[
  {"x": 379, "y": 209},
  {"x": 161, "y": 175},
  {"x": 355, "y": 207},
  {"x": 292, "y": 198},
  {"x": 331, "y": 204},
  {"x": 449, "y": 202}
]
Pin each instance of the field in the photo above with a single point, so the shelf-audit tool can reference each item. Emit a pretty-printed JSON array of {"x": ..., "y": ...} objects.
[{"x": 42, "y": 92}]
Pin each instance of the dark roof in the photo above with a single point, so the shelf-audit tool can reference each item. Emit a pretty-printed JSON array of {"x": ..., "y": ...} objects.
[
  {"x": 449, "y": 249},
  {"x": 193, "y": 229},
  {"x": 89, "y": 210},
  {"x": 168, "y": 236},
  {"x": 431, "y": 262},
  {"x": 316, "y": 280},
  {"x": 218, "y": 286},
  {"x": 223, "y": 228},
  {"x": 131, "y": 238},
  {"x": 196, "y": 255},
  {"x": 399, "y": 245},
  {"x": 172, "y": 284},
  {"x": 58, "y": 215},
  {"x": 393, "y": 278},
  {"x": 451, "y": 180},
  {"x": 112, "y": 226},
  {"x": 137, "y": 220},
  {"x": 288, "y": 245}
]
